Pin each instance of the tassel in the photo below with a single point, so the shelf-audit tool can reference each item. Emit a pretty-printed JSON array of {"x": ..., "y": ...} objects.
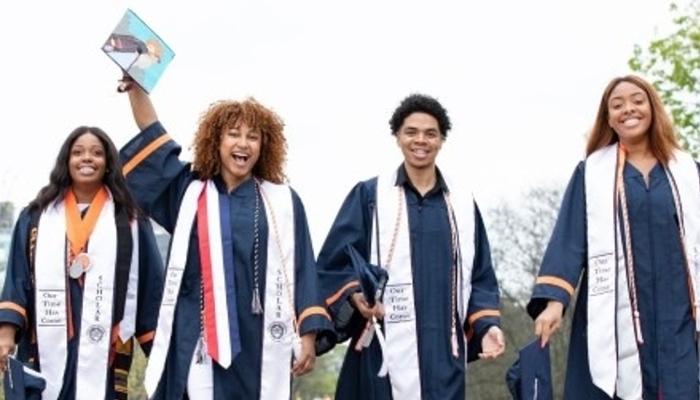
[
  {"x": 200, "y": 353},
  {"x": 455, "y": 346},
  {"x": 257, "y": 305},
  {"x": 365, "y": 338},
  {"x": 384, "y": 369}
]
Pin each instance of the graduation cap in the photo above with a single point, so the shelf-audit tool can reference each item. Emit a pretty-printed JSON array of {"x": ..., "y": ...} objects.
[
  {"x": 372, "y": 277},
  {"x": 530, "y": 376},
  {"x": 138, "y": 51},
  {"x": 21, "y": 382}
]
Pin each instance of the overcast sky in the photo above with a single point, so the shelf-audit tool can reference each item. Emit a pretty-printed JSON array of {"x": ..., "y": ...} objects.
[{"x": 521, "y": 80}]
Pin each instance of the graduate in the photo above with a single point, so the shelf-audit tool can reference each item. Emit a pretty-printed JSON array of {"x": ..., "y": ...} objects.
[
  {"x": 84, "y": 276},
  {"x": 242, "y": 307},
  {"x": 440, "y": 306},
  {"x": 629, "y": 231}
]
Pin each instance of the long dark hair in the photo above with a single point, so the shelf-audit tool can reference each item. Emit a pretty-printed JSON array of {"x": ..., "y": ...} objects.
[
  {"x": 662, "y": 134},
  {"x": 60, "y": 179}
]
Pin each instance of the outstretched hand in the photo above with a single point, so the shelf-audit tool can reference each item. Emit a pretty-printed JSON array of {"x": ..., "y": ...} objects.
[{"x": 493, "y": 343}]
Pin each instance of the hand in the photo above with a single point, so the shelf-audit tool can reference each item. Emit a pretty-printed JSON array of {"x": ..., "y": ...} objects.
[
  {"x": 125, "y": 84},
  {"x": 549, "y": 321},
  {"x": 492, "y": 344},
  {"x": 307, "y": 358},
  {"x": 7, "y": 343},
  {"x": 360, "y": 303}
]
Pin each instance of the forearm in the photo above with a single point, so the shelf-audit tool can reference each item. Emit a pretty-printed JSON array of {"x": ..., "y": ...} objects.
[{"x": 142, "y": 108}]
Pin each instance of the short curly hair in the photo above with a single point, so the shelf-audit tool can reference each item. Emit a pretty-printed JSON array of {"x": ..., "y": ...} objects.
[
  {"x": 420, "y": 103},
  {"x": 227, "y": 114}
]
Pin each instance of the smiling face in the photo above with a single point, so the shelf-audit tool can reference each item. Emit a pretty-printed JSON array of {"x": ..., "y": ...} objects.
[
  {"x": 420, "y": 140},
  {"x": 239, "y": 151},
  {"x": 629, "y": 113},
  {"x": 87, "y": 163}
]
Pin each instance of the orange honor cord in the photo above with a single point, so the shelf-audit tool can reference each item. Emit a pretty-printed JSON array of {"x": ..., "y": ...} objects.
[
  {"x": 621, "y": 199},
  {"x": 79, "y": 229}
]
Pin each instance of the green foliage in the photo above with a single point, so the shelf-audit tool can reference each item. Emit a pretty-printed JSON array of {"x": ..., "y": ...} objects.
[
  {"x": 136, "y": 374},
  {"x": 320, "y": 383},
  {"x": 672, "y": 64}
]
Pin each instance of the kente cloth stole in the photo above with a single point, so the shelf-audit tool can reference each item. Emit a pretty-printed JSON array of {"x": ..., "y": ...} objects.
[
  {"x": 99, "y": 292},
  {"x": 278, "y": 316},
  {"x": 612, "y": 337},
  {"x": 391, "y": 221}
]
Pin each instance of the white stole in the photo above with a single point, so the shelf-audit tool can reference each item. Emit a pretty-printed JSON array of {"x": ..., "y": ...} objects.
[
  {"x": 179, "y": 248},
  {"x": 401, "y": 353},
  {"x": 98, "y": 302},
  {"x": 127, "y": 327},
  {"x": 613, "y": 354},
  {"x": 279, "y": 316},
  {"x": 280, "y": 333}
]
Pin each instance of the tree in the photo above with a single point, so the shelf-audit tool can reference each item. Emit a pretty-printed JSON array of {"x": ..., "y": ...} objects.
[
  {"x": 519, "y": 235},
  {"x": 7, "y": 215},
  {"x": 672, "y": 63}
]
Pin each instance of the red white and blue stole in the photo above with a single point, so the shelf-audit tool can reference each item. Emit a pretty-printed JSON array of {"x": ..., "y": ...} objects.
[
  {"x": 401, "y": 352},
  {"x": 216, "y": 260},
  {"x": 613, "y": 354},
  {"x": 53, "y": 316}
]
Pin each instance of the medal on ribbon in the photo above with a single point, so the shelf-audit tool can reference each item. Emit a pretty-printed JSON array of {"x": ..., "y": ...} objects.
[{"x": 81, "y": 263}]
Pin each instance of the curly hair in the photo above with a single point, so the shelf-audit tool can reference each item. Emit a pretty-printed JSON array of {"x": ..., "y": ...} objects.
[
  {"x": 60, "y": 179},
  {"x": 662, "y": 134},
  {"x": 227, "y": 114},
  {"x": 420, "y": 103}
]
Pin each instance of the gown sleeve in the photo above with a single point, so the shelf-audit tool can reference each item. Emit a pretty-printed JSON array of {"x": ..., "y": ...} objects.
[
  {"x": 483, "y": 311},
  {"x": 566, "y": 254},
  {"x": 338, "y": 278},
  {"x": 151, "y": 281},
  {"x": 155, "y": 175},
  {"x": 310, "y": 308},
  {"x": 16, "y": 304}
]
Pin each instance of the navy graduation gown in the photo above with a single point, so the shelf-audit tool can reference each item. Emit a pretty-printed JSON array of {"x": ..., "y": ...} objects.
[
  {"x": 18, "y": 297},
  {"x": 158, "y": 181},
  {"x": 443, "y": 377},
  {"x": 668, "y": 356}
]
